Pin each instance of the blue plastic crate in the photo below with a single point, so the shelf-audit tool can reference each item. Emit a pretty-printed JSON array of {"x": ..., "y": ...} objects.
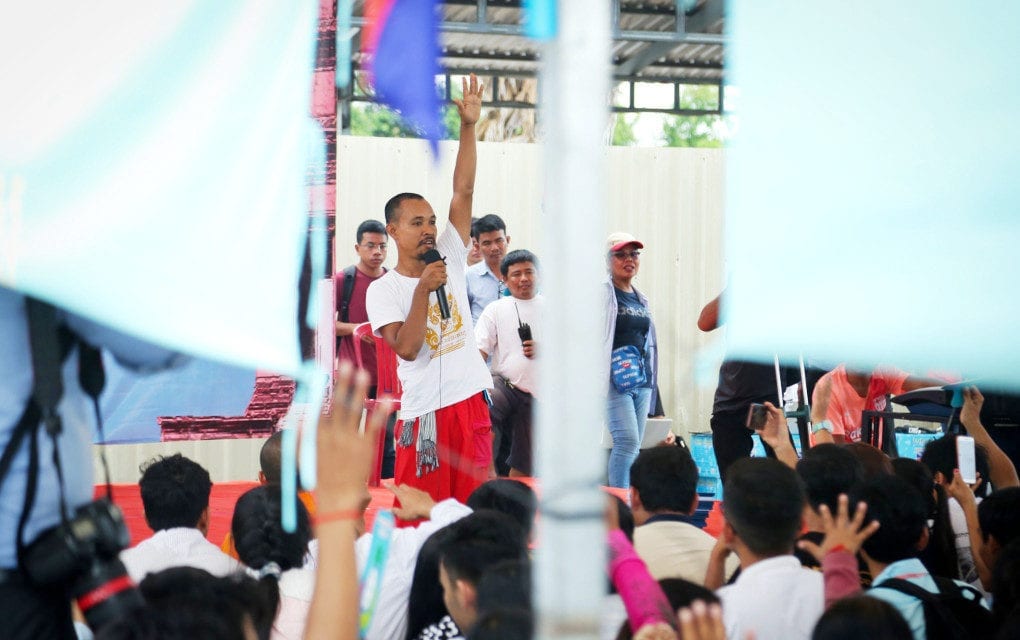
[
  {"x": 911, "y": 445},
  {"x": 710, "y": 487}
]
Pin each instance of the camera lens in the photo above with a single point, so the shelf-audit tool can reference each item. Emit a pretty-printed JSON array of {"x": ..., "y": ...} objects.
[{"x": 105, "y": 592}]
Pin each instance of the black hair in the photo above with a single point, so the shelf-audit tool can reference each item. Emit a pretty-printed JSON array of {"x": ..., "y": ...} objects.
[
  {"x": 680, "y": 593},
  {"x": 511, "y": 497},
  {"x": 487, "y": 223},
  {"x": 999, "y": 515},
  {"x": 827, "y": 471},
  {"x": 666, "y": 478},
  {"x": 425, "y": 605},
  {"x": 370, "y": 226},
  {"x": 260, "y": 539},
  {"x": 479, "y": 541},
  {"x": 517, "y": 256},
  {"x": 393, "y": 204},
  {"x": 939, "y": 557},
  {"x": 504, "y": 624},
  {"x": 505, "y": 584},
  {"x": 764, "y": 502},
  {"x": 900, "y": 510},
  {"x": 270, "y": 458},
  {"x": 862, "y": 617},
  {"x": 175, "y": 492},
  {"x": 1006, "y": 583},
  {"x": 184, "y": 603},
  {"x": 939, "y": 455},
  {"x": 873, "y": 460}
]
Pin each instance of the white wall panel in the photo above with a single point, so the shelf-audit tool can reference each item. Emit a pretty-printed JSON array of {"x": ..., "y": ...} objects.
[{"x": 671, "y": 199}]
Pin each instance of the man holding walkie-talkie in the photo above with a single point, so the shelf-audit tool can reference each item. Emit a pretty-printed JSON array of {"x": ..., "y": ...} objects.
[{"x": 508, "y": 330}]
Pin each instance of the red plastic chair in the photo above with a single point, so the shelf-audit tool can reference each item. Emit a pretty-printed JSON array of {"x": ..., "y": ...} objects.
[{"x": 387, "y": 383}]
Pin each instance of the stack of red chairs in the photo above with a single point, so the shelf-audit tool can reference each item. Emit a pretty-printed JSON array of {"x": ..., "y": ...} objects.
[{"x": 387, "y": 385}]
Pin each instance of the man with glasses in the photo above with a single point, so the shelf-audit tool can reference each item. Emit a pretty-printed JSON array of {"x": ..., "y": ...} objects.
[
  {"x": 484, "y": 281},
  {"x": 507, "y": 332},
  {"x": 351, "y": 287}
]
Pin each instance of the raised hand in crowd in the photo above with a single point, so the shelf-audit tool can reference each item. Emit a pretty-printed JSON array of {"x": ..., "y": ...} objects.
[
  {"x": 842, "y": 533},
  {"x": 776, "y": 434},
  {"x": 345, "y": 458},
  {"x": 1001, "y": 470}
]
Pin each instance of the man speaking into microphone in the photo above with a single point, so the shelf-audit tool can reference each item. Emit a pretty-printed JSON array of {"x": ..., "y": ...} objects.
[{"x": 443, "y": 436}]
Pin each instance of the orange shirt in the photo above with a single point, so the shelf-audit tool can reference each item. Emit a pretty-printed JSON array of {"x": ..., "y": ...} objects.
[
  {"x": 228, "y": 541},
  {"x": 845, "y": 406}
]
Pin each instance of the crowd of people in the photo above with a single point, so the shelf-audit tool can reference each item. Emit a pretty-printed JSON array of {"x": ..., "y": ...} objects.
[{"x": 837, "y": 541}]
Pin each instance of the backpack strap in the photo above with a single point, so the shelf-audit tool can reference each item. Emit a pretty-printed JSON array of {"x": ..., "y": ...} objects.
[
  {"x": 345, "y": 293},
  {"x": 936, "y": 613},
  {"x": 347, "y": 289}
]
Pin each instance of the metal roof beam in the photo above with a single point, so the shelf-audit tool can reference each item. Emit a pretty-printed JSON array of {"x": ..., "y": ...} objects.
[
  {"x": 643, "y": 58},
  {"x": 490, "y": 28},
  {"x": 706, "y": 16}
]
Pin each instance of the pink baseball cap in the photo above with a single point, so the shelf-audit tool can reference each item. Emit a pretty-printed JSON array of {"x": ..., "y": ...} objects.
[{"x": 619, "y": 240}]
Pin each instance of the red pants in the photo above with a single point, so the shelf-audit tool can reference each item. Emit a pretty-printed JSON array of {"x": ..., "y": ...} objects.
[{"x": 464, "y": 445}]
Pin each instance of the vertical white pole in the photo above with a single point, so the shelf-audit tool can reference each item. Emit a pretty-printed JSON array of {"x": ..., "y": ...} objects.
[{"x": 570, "y": 578}]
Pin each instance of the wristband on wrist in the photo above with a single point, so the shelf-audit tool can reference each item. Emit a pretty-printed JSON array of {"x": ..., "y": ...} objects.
[
  {"x": 337, "y": 516},
  {"x": 824, "y": 425},
  {"x": 838, "y": 547}
]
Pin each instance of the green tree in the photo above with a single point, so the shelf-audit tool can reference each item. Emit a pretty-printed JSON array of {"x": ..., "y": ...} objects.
[
  {"x": 695, "y": 130},
  {"x": 623, "y": 130},
  {"x": 374, "y": 120}
]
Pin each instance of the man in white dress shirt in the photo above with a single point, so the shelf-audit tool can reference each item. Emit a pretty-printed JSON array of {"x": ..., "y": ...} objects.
[
  {"x": 507, "y": 332},
  {"x": 775, "y": 597},
  {"x": 175, "y": 495}
]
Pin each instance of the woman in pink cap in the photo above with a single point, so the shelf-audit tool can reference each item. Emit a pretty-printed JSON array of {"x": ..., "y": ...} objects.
[{"x": 629, "y": 345}]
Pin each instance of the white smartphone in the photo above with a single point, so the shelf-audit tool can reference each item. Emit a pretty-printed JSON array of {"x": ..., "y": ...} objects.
[{"x": 965, "y": 459}]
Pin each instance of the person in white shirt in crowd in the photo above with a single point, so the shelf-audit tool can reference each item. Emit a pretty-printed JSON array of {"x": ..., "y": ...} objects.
[
  {"x": 175, "y": 495},
  {"x": 485, "y": 281},
  {"x": 507, "y": 332},
  {"x": 774, "y": 596}
]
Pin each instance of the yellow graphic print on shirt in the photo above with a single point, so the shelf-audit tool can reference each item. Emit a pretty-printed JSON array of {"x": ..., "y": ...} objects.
[{"x": 454, "y": 334}]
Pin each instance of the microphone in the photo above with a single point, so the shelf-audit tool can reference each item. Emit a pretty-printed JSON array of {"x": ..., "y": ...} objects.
[{"x": 429, "y": 257}]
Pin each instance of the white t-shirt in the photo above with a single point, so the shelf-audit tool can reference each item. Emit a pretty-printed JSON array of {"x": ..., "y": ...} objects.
[
  {"x": 776, "y": 598},
  {"x": 964, "y": 553},
  {"x": 496, "y": 335},
  {"x": 176, "y": 547},
  {"x": 448, "y": 367}
]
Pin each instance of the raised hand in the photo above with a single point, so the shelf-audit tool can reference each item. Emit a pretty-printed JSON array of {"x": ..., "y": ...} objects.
[
  {"x": 841, "y": 532},
  {"x": 972, "y": 403},
  {"x": 470, "y": 106},
  {"x": 345, "y": 456},
  {"x": 701, "y": 622}
]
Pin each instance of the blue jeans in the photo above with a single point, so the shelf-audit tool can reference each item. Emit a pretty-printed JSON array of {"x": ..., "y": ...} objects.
[{"x": 626, "y": 415}]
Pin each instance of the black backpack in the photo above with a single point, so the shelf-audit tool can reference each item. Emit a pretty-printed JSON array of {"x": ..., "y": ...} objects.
[{"x": 955, "y": 612}]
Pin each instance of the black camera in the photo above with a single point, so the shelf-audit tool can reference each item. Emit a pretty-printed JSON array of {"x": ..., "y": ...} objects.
[
  {"x": 524, "y": 331},
  {"x": 83, "y": 554}
]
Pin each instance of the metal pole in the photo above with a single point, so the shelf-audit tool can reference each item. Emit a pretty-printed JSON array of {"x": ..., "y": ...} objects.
[{"x": 570, "y": 578}]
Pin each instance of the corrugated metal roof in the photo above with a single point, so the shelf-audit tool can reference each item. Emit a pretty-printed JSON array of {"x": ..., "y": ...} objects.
[{"x": 652, "y": 39}]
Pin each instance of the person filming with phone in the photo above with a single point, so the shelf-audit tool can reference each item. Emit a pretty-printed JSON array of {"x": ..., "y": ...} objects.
[{"x": 507, "y": 331}]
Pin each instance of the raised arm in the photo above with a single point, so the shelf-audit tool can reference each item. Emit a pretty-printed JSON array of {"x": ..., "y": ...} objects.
[
  {"x": 344, "y": 459},
  {"x": 469, "y": 108},
  {"x": 1001, "y": 471}
]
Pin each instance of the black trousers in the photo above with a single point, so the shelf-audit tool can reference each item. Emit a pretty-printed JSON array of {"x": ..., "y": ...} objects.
[
  {"x": 731, "y": 440},
  {"x": 34, "y": 613}
]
